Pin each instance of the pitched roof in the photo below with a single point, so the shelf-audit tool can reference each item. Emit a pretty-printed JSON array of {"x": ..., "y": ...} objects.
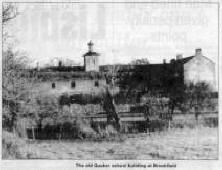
[{"x": 184, "y": 60}]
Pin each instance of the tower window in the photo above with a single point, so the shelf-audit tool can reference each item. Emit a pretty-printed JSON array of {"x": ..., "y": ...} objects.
[
  {"x": 53, "y": 85},
  {"x": 73, "y": 84}
]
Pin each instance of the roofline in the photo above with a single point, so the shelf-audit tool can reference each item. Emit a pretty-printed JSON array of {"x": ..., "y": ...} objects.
[
  {"x": 93, "y": 54},
  {"x": 202, "y": 56}
]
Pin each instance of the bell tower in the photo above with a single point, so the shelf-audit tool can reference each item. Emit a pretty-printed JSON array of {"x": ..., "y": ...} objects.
[{"x": 91, "y": 59}]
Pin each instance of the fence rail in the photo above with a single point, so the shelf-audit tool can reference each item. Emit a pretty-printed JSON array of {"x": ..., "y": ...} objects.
[{"x": 129, "y": 116}]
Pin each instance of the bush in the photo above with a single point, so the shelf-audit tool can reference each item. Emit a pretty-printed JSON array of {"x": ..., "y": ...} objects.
[
  {"x": 211, "y": 121},
  {"x": 198, "y": 96},
  {"x": 84, "y": 129}
]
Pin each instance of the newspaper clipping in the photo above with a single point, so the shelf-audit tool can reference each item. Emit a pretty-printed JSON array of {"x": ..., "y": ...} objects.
[{"x": 110, "y": 85}]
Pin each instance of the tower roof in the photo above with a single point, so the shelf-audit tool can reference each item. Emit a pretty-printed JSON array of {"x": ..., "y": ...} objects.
[
  {"x": 90, "y": 43},
  {"x": 91, "y": 54},
  {"x": 90, "y": 51}
]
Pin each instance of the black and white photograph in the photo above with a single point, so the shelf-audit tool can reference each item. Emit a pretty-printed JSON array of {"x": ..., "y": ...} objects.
[{"x": 110, "y": 81}]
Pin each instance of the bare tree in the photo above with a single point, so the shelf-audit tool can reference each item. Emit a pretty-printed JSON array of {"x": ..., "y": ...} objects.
[
  {"x": 198, "y": 96},
  {"x": 14, "y": 74},
  {"x": 16, "y": 81},
  {"x": 142, "y": 61},
  {"x": 108, "y": 102},
  {"x": 9, "y": 12}
]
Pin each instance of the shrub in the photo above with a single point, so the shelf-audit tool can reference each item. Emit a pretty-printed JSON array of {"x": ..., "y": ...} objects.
[
  {"x": 211, "y": 121},
  {"x": 84, "y": 129},
  {"x": 198, "y": 96}
]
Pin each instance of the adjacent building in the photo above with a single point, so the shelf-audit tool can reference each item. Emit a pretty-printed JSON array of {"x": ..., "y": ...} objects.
[
  {"x": 182, "y": 71},
  {"x": 199, "y": 68}
]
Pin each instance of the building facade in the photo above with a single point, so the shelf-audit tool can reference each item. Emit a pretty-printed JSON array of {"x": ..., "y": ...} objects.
[{"x": 200, "y": 69}]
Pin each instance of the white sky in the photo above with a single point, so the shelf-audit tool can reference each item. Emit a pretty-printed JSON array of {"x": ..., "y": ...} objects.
[{"x": 120, "y": 32}]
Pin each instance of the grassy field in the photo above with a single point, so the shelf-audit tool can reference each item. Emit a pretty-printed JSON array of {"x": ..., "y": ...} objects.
[{"x": 185, "y": 143}]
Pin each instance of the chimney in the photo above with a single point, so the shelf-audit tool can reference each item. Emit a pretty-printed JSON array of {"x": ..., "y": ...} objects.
[
  {"x": 179, "y": 56},
  {"x": 198, "y": 51},
  {"x": 164, "y": 61},
  {"x": 37, "y": 66},
  {"x": 60, "y": 63}
]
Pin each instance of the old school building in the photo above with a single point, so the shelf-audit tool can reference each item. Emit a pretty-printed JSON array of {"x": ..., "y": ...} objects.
[{"x": 91, "y": 76}]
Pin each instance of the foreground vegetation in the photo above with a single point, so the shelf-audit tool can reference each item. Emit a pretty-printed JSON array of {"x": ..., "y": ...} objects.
[{"x": 178, "y": 143}]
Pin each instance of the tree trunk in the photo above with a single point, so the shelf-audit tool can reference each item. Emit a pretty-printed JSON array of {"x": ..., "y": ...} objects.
[
  {"x": 147, "y": 117},
  {"x": 169, "y": 124},
  {"x": 60, "y": 132},
  {"x": 196, "y": 114},
  {"x": 110, "y": 108},
  {"x": 170, "y": 115},
  {"x": 116, "y": 116}
]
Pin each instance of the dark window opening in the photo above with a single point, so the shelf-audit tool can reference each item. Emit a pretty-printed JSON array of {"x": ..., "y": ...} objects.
[
  {"x": 53, "y": 85},
  {"x": 73, "y": 84},
  {"x": 96, "y": 83}
]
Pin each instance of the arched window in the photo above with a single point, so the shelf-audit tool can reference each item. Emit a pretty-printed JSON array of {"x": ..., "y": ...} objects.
[
  {"x": 73, "y": 84},
  {"x": 53, "y": 85}
]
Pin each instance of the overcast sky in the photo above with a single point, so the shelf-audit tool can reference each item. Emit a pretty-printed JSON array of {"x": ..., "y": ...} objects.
[{"x": 120, "y": 32}]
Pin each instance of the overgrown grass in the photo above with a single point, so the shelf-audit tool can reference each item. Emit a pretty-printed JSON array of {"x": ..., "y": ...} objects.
[
  {"x": 184, "y": 143},
  {"x": 11, "y": 146}
]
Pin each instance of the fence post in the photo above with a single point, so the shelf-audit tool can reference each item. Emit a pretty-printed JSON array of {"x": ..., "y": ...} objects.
[
  {"x": 196, "y": 114},
  {"x": 169, "y": 124},
  {"x": 33, "y": 133}
]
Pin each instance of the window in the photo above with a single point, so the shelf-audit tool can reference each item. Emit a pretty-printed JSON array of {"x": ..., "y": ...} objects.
[
  {"x": 53, "y": 85},
  {"x": 73, "y": 84},
  {"x": 96, "y": 83}
]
